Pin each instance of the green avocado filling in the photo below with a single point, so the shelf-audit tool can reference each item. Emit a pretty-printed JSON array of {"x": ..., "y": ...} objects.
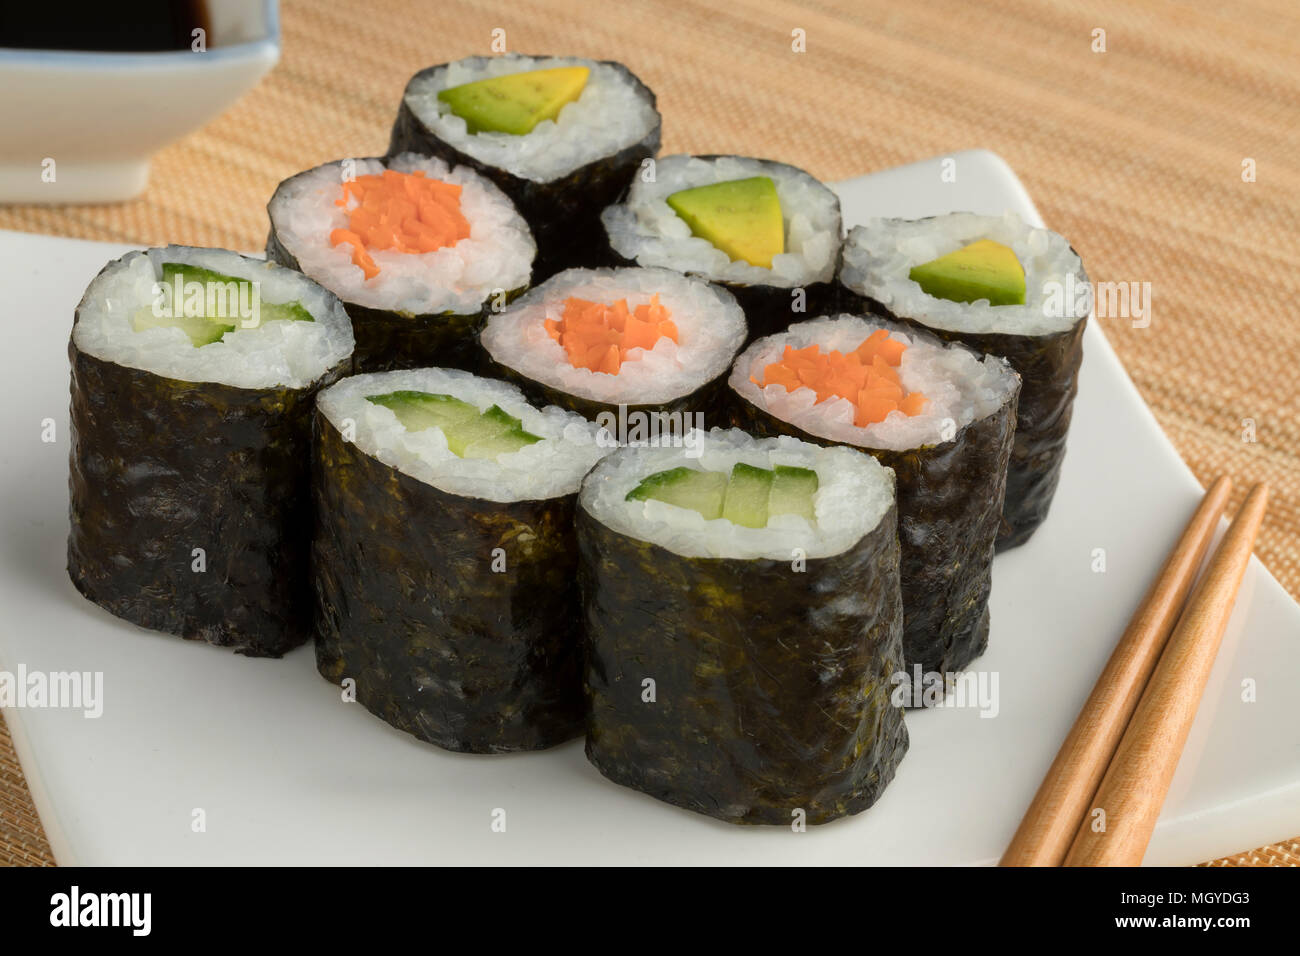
[
  {"x": 749, "y": 497},
  {"x": 517, "y": 102},
  {"x": 742, "y": 217},
  {"x": 210, "y": 309},
  {"x": 981, "y": 270},
  {"x": 469, "y": 432}
]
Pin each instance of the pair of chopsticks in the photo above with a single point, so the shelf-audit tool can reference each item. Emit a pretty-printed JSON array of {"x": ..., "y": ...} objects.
[{"x": 1099, "y": 802}]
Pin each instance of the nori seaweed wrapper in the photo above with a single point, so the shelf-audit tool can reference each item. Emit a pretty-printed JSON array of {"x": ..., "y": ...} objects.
[
  {"x": 563, "y": 213},
  {"x": 408, "y": 606},
  {"x": 1048, "y": 366},
  {"x": 160, "y": 467},
  {"x": 772, "y": 687},
  {"x": 389, "y": 340},
  {"x": 950, "y": 500}
]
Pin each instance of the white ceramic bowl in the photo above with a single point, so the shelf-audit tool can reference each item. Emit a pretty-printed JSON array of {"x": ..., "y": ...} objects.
[{"x": 81, "y": 127}]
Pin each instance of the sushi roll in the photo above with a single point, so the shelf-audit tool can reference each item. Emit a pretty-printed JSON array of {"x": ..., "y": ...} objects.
[
  {"x": 444, "y": 557},
  {"x": 419, "y": 251},
  {"x": 1000, "y": 286},
  {"x": 941, "y": 416},
  {"x": 597, "y": 341},
  {"x": 767, "y": 231},
  {"x": 562, "y": 136},
  {"x": 743, "y": 626},
  {"x": 193, "y": 377}
]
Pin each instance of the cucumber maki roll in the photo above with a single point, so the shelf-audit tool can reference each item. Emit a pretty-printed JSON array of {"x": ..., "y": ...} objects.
[
  {"x": 1000, "y": 286},
  {"x": 193, "y": 377},
  {"x": 562, "y": 136},
  {"x": 418, "y": 251},
  {"x": 767, "y": 231},
  {"x": 444, "y": 557},
  {"x": 743, "y": 626},
  {"x": 941, "y": 416},
  {"x": 601, "y": 341}
]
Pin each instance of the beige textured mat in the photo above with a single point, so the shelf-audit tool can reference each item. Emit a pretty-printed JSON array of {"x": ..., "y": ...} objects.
[{"x": 1135, "y": 154}]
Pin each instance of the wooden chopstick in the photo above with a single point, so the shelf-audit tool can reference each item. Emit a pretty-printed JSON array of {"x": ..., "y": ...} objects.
[
  {"x": 1134, "y": 787},
  {"x": 1049, "y": 825}
]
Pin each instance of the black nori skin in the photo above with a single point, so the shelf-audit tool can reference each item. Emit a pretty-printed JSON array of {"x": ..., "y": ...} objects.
[
  {"x": 160, "y": 467},
  {"x": 399, "y": 340},
  {"x": 772, "y": 687},
  {"x": 563, "y": 213},
  {"x": 768, "y": 308},
  {"x": 408, "y": 606},
  {"x": 1048, "y": 366},
  {"x": 950, "y": 500}
]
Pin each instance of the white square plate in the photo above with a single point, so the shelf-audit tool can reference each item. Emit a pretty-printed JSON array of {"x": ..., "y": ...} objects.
[{"x": 286, "y": 772}]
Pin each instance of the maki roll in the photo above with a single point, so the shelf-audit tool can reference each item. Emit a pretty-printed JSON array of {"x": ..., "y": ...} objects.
[
  {"x": 444, "y": 558},
  {"x": 418, "y": 251},
  {"x": 562, "y": 136},
  {"x": 767, "y": 231},
  {"x": 193, "y": 377},
  {"x": 601, "y": 341},
  {"x": 941, "y": 416},
  {"x": 1000, "y": 286},
  {"x": 743, "y": 626}
]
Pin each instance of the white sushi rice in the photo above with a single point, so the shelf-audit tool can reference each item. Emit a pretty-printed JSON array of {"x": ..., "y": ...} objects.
[
  {"x": 710, "y": 329},
  {"x": 646, "y": 230},
  {"x": 283, "y": 353},
  {"x": 879, "y": 255},
  {"x": 854, "y": 493},
  {"x": 497, "y": 256},
  {"x": 961, "y": 386},
  {"x": 545, "y": 469},
  {"x": 611, "y": 114}
]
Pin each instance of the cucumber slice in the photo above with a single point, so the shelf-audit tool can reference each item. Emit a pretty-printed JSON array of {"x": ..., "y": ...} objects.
[
  {"x": 202, "y": 331},
  {"x": 745, "y": 503},
  {"x": 469, "y": 432},
  {"x": 206, "y": 329},
  {"x": 792, "y": 492},
  {"x": 700, "y": 491}
]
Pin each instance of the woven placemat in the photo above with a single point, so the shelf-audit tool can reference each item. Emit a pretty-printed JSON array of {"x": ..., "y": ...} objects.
[{"x": 1135, "y": 153}]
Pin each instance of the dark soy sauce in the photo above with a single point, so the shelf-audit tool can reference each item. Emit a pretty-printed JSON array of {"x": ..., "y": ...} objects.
[{"x": 138, "y": 26}]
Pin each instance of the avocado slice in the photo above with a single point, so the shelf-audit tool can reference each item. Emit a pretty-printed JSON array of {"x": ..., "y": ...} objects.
[
  {"x": 206, "y": 329},
  {"x": 742, "y": 217},
  {"x": 792, "y": 492},
  {"x": 469, "y": 432},
  {"x": 981, "y": 270},
  {"x": 517, "y": 102},
  {"x": 701, "y": 491},
  {"x": 747, "y": 493}
]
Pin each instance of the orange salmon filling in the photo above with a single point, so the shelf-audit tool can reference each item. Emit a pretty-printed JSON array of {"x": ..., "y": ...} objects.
[
  {"x": 867, "y": 377},
  {"x": 597, "y": 336},
  {"x": 404, "y": 211}
]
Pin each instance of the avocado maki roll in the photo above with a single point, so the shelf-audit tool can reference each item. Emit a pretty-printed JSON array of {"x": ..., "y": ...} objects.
[
  {"x": 768, "y": 232},
  {"x": 601, "y": 341},
  {"x": 193, "y": 377},
  {"x": 444, "y": 557},
  {"x": 1000, "y": 286},
  {"x": 419, "y": 251},
  {"x": 562, "y": 136},
  {"x": 941, "y": 416},
  {"x": 743, "y": 626}
]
